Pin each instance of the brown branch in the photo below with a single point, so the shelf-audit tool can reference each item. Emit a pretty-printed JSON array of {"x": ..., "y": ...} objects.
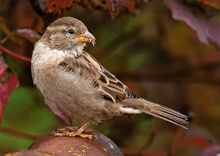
[
  {"x": 151, "y": 135},
  {"x": 177, "y": 140},
  {"x": 18, "y": 133},
  {"x": 4, "y": 40},
  {"x": 173, "y": 74}
]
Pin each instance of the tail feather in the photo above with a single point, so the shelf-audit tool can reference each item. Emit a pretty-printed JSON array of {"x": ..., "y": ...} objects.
[
  {"x": 159, "y": 111},
  {"x": 177, "y": 122},
  {"x": 169, "y": 115}
]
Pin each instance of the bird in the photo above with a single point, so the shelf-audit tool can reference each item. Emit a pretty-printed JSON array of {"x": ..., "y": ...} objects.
[{"x": 77, "y": 87}]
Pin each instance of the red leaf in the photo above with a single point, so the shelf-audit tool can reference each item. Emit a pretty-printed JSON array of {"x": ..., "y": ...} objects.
[
  {"x": 196, "y": 141},
  {"x": 212, "y": 3},
  {"x": 207, "y": 29},
  {"x": 58, "y": 6},
  {"x": 212, "y": 150},
  {"x": 29, "y": 34},
  {"x": 8, "y": 82},
  {"x": 116, "y": 6}
]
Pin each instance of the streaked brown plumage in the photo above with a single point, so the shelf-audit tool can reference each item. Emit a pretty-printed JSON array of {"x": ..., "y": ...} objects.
[{"x": 76, "y": 86}]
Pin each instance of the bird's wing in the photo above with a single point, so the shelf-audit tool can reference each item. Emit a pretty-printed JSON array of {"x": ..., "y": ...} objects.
[
  {"x": 107, "y": 83},
  {"x": 113, "y": 89}
]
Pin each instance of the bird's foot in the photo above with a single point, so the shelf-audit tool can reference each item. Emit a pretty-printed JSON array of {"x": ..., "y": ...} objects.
[{"x": 75, "y": 131}]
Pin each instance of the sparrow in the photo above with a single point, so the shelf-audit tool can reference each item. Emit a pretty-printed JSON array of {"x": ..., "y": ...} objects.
[{"x": 76, "y": 86}]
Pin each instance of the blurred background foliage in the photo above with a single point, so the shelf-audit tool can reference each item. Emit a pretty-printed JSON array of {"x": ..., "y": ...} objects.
[{"x": 157, "y": 57}]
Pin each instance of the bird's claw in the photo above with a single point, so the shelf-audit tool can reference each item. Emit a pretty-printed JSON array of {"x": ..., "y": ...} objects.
[{"x": 72, "y": 132}]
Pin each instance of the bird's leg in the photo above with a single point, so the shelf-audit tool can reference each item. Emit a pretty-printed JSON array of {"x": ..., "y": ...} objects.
[
  {"x": 82, "y": 127},
  {"x": 71, "y": 131}
]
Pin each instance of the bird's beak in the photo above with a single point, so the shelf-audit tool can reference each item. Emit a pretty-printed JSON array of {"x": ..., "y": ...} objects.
[{"x": 86, "y": 37}]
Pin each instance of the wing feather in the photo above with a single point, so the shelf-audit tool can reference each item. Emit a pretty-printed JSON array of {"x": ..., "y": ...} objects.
[{"x": 107, "y": 83}]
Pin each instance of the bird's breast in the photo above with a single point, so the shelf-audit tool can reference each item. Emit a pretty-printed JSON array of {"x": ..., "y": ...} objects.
[{"x": 71, "y": 92}]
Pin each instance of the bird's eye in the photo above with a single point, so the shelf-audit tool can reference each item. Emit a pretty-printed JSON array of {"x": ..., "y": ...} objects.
[{"x": 71, "y": 31}]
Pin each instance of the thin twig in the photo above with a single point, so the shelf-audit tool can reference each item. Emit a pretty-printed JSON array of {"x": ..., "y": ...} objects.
[
  {"x": 4, "y": 39},
  {"x": 18, "y": 133},
  {"x": 151, "y": 136},
  {"x": 176, "y": 140},
  {"x": 27, "y": 59},
  {"x": 199, "y": 74}
]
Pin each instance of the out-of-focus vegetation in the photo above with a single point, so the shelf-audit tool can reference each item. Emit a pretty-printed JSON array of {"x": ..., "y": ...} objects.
[{"x": 157, "y": 57}]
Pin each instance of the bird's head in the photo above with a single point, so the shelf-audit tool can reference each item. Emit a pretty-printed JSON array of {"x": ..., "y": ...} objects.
[{"x": 67, "y": 34}]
